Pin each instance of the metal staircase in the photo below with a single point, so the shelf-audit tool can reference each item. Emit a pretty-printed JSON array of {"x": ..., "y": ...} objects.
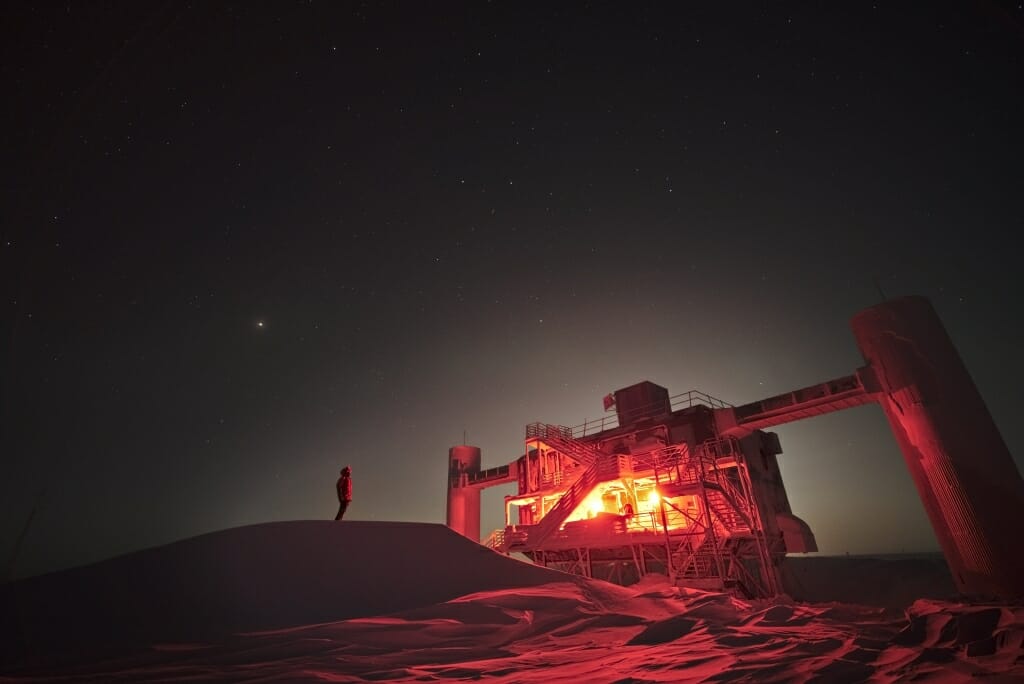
[
  {"x": 699, "y": 564},
  {"x": 729, "y": 507},
  {"x": 727, "y": 530},
  {"x": 699, "y": 474},
  {"x": 553, "y": 519},
  {"x": 560, "y": 438}
]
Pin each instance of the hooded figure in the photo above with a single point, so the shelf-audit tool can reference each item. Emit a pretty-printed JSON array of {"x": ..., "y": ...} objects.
[{"x": 344, "y": 487}]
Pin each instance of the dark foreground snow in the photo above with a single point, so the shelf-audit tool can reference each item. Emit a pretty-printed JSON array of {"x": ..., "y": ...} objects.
[{"x": 361, "y": 601}]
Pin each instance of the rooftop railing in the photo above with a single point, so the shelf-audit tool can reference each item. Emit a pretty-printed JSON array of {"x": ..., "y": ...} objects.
[{"x": 676, "y": 403}]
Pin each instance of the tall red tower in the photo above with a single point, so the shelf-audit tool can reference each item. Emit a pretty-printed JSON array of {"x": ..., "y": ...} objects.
[
  {"x": 463, "y": 510},
  {"x": 963, "y": 471}
]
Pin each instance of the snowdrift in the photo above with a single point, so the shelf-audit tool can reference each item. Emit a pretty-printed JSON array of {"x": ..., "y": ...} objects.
[
  {"x": 406, "y": 602},
  {"x": 247, "y": 579}
]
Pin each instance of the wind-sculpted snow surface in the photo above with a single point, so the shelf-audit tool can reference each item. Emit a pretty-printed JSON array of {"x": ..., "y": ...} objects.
[{"x": 565, "y": 629}]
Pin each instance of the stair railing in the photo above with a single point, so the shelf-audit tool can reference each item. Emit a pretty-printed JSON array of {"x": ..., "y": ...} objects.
[
  {"x": 560, "y": 437},
  {"x": 554, "y": 518}
]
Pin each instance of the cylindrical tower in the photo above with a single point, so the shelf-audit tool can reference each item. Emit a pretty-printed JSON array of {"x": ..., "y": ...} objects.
[
  {"x": 463, "y": 500},
  {"x": 963, "y": 471}
]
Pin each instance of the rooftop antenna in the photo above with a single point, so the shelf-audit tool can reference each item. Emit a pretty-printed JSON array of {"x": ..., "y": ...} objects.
[
  {"x": 463, "y": 436},
  {"x": 878, "y": 287},
  {"x": 12, "y": 563}
]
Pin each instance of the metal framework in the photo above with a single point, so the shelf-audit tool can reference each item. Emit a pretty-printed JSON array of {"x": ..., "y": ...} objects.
[{"x": 689, "y": 513}]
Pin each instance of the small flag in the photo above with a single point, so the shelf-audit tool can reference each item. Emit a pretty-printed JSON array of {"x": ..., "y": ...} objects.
[{"x": 609, "y": 401}]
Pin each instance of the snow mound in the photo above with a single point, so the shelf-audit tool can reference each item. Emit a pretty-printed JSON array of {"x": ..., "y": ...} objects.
[
  {"x": 406, "y": 602},
  {"x": 587, "y": 631},
  {"x": 251, "y": 578}
]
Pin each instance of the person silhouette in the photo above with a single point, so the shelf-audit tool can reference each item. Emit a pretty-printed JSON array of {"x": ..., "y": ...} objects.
[{"x": 344, "y": 488}]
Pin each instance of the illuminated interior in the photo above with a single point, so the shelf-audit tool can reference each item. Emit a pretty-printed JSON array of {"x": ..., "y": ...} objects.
[{"x": 612, "y": 498}]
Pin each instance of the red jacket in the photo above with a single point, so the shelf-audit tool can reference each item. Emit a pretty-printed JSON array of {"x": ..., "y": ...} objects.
[{"x": 344, "y": 488}]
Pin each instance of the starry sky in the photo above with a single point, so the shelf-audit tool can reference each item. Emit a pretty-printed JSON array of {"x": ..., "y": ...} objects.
[{"x": 241, "y": 246}]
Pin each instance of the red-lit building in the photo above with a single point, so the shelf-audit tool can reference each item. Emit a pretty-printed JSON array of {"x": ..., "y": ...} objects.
[
  {"x": 689, "y": 486},
  {"x": 655, "y": 487}
]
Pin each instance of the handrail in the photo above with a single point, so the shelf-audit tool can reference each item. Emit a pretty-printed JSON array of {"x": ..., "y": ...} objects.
[
  {"x": 496, "y": 540},
  {"x": 663, "y": 458},
  {"x": 727, "y": 492},
  {"x": 548, "y": 431},
  {"x": 561, "y": 438},
  {"x": 496, "y": 473},
  {"x": 824, "y": 395},
  {"x": 566, "y": 504},
  {"x": 677, "y": 402},
  {"x": 644, "y": 521}
]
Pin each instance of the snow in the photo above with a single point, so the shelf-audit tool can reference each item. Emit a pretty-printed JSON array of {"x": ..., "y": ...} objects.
[{"x": 363, "y": 601}]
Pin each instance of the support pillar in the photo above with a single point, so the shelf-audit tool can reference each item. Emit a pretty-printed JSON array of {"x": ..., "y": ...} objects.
[
  {"x": 963, "y": 471},
  {"x": 463, "y": 500}
]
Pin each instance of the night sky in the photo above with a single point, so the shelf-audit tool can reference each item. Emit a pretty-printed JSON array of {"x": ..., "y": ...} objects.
[{"x": 242, "y": 247}]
